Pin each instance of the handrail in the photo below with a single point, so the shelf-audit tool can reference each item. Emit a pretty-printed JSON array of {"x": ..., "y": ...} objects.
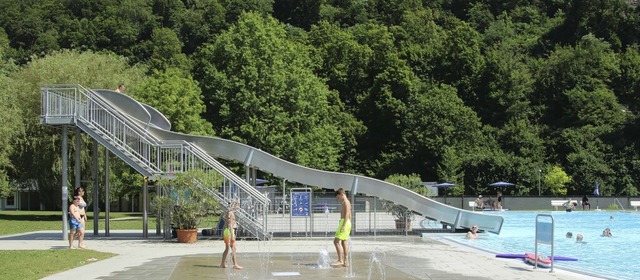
[
  {"x": 169, "y": 156},
  {"x": 129, "y": 137},
  {"x": 205, "y": 155}
]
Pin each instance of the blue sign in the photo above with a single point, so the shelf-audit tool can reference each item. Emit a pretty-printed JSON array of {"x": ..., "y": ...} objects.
[
  {"x": 544, "y": 233},
  {"x": 300, "y": 204}
]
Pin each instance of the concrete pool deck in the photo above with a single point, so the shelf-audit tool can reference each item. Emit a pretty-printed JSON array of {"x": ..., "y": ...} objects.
[{"x": 402, "y": 257}]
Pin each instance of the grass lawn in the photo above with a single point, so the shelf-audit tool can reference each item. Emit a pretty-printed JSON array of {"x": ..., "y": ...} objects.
[
  {"x": 35, "y": 264},
  {"x": 26, "y": 221}
]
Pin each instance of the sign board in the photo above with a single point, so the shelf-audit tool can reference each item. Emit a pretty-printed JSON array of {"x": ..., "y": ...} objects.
[
  {"x": 300, "y": 204},
  {"x": 544, "y": 233}
]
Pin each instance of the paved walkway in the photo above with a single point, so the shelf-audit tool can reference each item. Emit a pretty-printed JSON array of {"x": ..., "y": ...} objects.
[{"x": 373, "y": 258}]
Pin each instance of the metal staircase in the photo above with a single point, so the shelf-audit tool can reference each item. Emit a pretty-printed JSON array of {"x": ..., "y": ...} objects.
[{"x": 127, "y": 137}]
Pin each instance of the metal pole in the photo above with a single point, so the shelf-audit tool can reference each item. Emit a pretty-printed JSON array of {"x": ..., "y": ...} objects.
[
  {"x": 539, "y": 175},
  {"x": 65, "y": 191},
  {"x": 145, "y": 214},
  {"x": 96, "y": 190},
  {"x": 158, "y": 210},
  {"x": 77, "y": 168},
  {"x": 106, "y": 192},
  {"x": 283, "y": 204}
]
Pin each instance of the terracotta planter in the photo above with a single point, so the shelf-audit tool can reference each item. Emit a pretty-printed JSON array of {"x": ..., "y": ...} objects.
[
  {"x": 400, "y": 224},
  {"x": 187, "y": 235}
]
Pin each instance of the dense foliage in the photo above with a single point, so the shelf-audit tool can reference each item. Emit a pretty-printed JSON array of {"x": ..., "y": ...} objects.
[{"x": 469, "y": 91}]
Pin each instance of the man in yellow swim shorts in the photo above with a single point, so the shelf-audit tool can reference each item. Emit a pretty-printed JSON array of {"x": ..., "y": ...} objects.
[{"x": 344, "y": 229}]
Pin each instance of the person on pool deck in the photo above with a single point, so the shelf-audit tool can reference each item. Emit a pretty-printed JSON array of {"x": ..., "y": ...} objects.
[
  {"x": 344, "y": 229},
  {"x": 585, "y": 202},
  {"x": 479, "y": 202},
  {"x": 75, "y": 225},
  {"x": 491, "y": 203},
  {"x": 82, "y": 205},
  {"x": 499, "y": 206},
  {"x": 569, "y": 206},
  {"x": 473, "y": 233},
  {"x": 229, "y": 236}
]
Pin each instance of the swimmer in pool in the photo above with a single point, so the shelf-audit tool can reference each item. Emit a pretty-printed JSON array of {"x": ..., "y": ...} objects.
[{"x": 473, "y": 233}]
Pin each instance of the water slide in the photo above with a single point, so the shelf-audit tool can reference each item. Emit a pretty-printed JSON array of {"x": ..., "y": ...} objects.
[{"x": 158, "y": 125}]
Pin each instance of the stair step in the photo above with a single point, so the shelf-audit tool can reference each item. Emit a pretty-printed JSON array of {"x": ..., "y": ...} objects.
[{"x": 252, "y": 226}]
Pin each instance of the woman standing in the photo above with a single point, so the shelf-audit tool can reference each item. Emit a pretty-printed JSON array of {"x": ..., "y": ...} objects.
[
  {"x": 82, "y": 205},
  {"x": 75, "y": 226}
]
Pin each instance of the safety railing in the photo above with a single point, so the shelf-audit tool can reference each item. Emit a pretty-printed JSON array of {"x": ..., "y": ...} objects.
[{"x": 74, "y": 104}]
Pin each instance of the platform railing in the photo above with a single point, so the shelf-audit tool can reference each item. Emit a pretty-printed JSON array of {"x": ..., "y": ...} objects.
[{"x": 129, "y": 140}]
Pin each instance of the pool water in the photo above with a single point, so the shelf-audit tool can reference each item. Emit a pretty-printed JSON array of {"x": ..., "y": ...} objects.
[{"x": 608, "y": 257}]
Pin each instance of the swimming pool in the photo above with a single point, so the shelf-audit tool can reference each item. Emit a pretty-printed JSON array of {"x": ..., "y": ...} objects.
[{"x": 613, "y": 257}]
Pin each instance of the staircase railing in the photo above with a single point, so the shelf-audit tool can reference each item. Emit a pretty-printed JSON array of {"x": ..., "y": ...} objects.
[
  {"x": 130, "y": 141},
  {"x": 619, "y": 203}
]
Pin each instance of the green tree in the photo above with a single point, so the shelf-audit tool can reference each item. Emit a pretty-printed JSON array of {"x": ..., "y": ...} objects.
[
  {"x": 603, "y": 18},
  {"x": 555, "y": 180},
  {"x": 300, "y": 13},
  {"x": 421, "y": 41},
  {"x": 587, "y": 158},
  {"x": 346, "y": 13},
  {"x": 42, "y": 142},
  {"x": 486, "y": 164},
  {"x": 9, "y": 116},
  {"x": 200, "y": 22},
  {"x": 461, "y": 63},
  {"x": 236, "y": 8},
  {"x": 126, "y": 27},
  {"x": 437, "y": 121},
  {"x": 11, "y": 129},
  {"x": 343, "y": 67},
  {"x": 31, "y": 26},
  {"x": 262, "y": 91},
  {"x": 450, "y": 170},
  {"x": 627, "y": 86},
  {"x": 178, "y": 97},
  {"x": 588, "y": 66},
  {"x": 166, "y": 51}
]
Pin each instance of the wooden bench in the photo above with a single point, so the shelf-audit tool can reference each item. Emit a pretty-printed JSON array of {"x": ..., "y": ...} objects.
[
  {"x": 556, "y": 203},
  {"x": 635, "y": 204}
]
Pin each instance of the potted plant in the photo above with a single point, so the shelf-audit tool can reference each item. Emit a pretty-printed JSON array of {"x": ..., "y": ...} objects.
[
  {"x": 186, "y": 202},
  {"x": 402, "y": 214}
]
